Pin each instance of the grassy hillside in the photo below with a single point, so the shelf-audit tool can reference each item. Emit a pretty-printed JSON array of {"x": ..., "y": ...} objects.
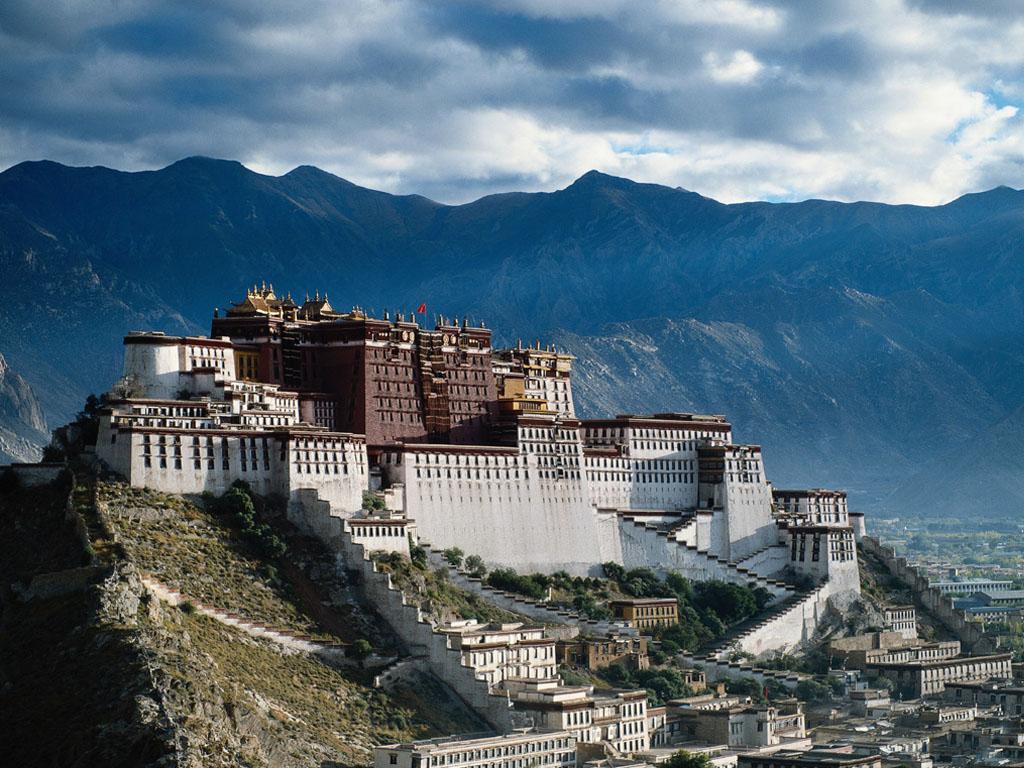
[{"x": 108, "y": 675}]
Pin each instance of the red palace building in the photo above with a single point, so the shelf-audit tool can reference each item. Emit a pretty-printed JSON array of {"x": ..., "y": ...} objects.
[{"x": 388, "y": 379}]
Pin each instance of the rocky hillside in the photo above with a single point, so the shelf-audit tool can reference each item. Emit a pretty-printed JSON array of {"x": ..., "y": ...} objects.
[
  {"x": 861, "y": 344},
  {"x": 96, "y": 670},
  {"x": 22, "y": 424}
]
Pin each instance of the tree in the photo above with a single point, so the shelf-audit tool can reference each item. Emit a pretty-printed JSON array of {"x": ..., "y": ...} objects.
[
  {"x": 684, "y": 759},
  {"x": 373, "y": 502},
  {"x": 361, "y": 648},
  {"x": 418, "y": 555},
  {"x": 475, "y": 566},
  {"x": 454, "y": 556},
  {"x": 813, "y": 691},
  {"x": 68, "y": 442},
  {"x": 534, "y": 585}
]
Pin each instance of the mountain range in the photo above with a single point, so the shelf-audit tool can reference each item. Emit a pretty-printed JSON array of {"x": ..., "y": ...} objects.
[{"x": 874, "y": 347}]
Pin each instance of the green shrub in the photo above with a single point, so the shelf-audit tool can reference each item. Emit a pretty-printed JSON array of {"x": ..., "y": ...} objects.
[
  {"x": 534, "y": 586},
  {"x": 684, "y": 759},
  {"x": 238, "y": 506},
  {"x": 373, "y": 502},
  {"x": 454, "y": 556},
  {"x": 813, "y": 691},
  {"x": 475, "y": 566}
]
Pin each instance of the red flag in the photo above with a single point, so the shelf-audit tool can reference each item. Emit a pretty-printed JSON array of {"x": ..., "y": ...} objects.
[{"x": 422, "y": 309}]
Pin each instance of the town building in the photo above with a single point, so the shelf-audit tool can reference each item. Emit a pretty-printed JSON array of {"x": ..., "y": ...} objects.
[
  {"x": 914, "y": 679},
  {"x": 598, "y": 652},
  {"x": 1008, "y": 697},
  {"x": 512, "y": 750},
  {"x": 646, "y": 612},
  {"x": 967, "y": 587},
  {"x": 816, "y": 757},
  {"x": 902, "y": 619},
  {"x": 615, "y": 717},
  {"x": 867, "y": 701},
  {"x": 743, "y": 725},
  {"x": 499, "y": 652}
]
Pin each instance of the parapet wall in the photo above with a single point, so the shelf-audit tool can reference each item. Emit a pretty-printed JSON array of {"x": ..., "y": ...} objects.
[
  {"x": 932, "y": 600},
  {"x": 420, "y": 638},
  {"x": 33, "y": 475},
  {"x": 404, "y": 618}
]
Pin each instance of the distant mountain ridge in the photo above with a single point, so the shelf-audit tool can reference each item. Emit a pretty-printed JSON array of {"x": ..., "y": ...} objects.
[{"x": 860, "y": 343}]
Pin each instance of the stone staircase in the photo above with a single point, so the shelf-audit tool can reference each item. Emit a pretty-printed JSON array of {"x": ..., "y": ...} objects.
[
  {"x": 739, "y": 563},
  {"x": 717, "y": 669},
  {"x": 716, "y": 663},
  {"x": 715, "y": 566},
  {"x": 744, "y": 629}
]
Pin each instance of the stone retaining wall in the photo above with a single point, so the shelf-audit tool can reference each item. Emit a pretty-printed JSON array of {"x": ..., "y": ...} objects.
[
  {"x": 940, "y": 606},
  {"x": 788, "y": 629}
]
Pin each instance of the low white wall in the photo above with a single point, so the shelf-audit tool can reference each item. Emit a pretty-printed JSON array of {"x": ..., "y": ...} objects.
[{"x": 33, "y": 475}]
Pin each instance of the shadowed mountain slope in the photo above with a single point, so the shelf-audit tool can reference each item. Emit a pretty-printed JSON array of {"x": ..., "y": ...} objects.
[{"x": 859, "y": 343}]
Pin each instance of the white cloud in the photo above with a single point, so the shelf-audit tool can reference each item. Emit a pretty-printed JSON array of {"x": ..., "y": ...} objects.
[{"x": 739, "y": 68}]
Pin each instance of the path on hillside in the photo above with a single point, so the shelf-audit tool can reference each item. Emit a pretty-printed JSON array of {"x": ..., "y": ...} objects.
[{"x": 290, "y": 641}]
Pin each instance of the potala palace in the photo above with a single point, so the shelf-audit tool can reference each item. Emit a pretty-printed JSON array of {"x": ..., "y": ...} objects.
[{"x": 471, "y": 446}]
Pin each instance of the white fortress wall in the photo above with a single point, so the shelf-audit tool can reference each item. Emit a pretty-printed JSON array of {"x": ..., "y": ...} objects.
[
  {"x": 153, "y": 366},
  {"x": 510, "y": 509},
  {"x": 622, "y": 482},
  {"x": 162, "y": 365}
]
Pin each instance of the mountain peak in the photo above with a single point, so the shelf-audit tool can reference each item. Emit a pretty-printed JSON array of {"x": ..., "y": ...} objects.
[
  {"x": 593, "y": 178},
  {"x": 201, "y": 162}
]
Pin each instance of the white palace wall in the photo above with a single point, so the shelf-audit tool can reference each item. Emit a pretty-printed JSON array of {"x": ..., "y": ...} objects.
[
  {"x": 508, "y": 508},
  {"x": 279, "y": 462}
]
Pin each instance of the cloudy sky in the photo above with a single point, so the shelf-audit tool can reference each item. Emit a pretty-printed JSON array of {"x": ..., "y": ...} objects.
[{"x": 893, "y": 100}]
